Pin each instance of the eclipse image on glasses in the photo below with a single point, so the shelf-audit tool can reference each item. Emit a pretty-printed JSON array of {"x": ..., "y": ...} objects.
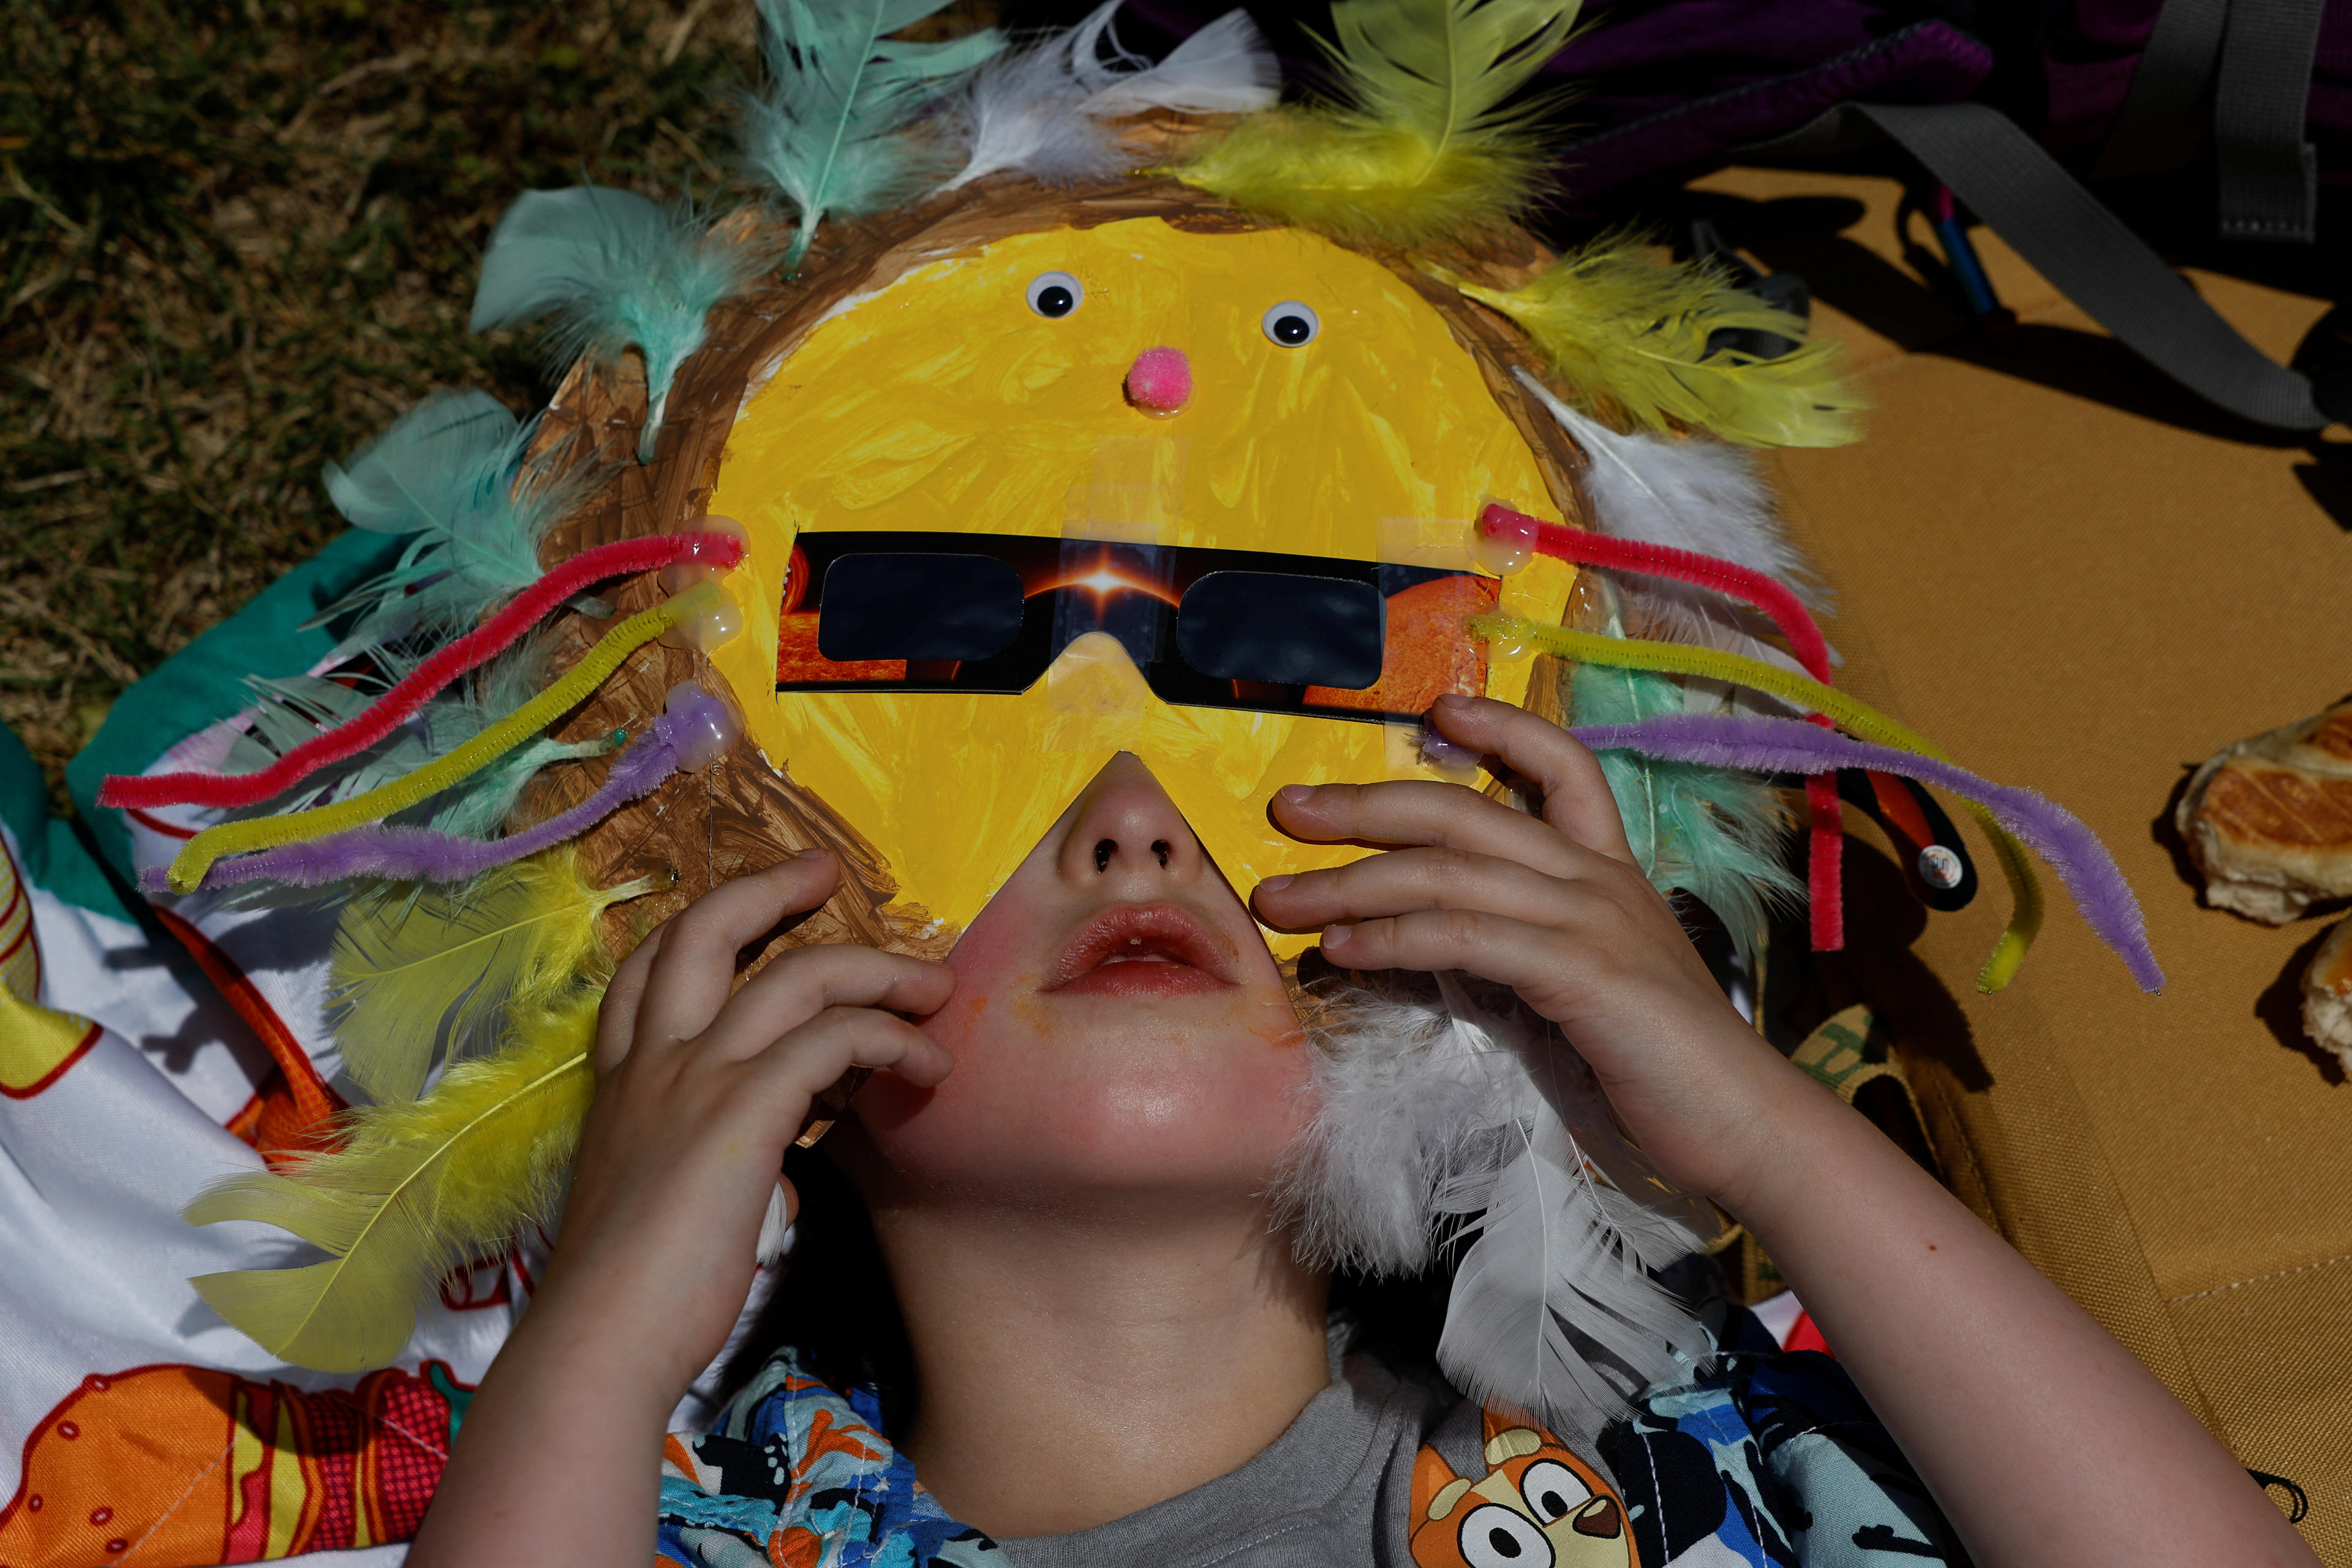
[{"x": 1213, "y": 628}]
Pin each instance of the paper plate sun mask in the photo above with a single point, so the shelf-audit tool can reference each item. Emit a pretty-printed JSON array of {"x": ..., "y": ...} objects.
[{"x": 1205, "y": 497}]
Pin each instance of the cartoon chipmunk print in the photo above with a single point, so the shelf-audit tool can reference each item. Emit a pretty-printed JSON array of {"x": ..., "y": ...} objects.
[{"x": 1539, "y": 1505}]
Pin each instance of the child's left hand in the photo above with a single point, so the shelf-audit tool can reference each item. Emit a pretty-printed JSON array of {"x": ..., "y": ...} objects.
[{"x": 1556, "y": 908}]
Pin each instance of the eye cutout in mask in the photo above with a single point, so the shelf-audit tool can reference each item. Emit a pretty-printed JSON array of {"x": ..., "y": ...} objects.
[{"x": 1206, "y": 627}]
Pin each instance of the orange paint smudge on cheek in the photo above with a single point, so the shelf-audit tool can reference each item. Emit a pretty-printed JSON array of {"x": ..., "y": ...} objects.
[{"x": 1279, "y": 1026}]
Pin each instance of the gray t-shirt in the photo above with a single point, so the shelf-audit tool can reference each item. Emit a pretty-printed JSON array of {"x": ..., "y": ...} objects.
[{"x": 1342, "y": 1478}]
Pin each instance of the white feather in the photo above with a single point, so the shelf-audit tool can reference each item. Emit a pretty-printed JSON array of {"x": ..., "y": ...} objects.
[
  {"x": 1427, "y": 1113},
  {"x": 1224, "y": 68},
  {"x": 1694, "y": 493},
  {"x": 1406, "y": 1103},
  {"x": 775, "y": 1229},
  {"x": 1048, "y": 109},
  {"x": 1553, "y": 1311}
]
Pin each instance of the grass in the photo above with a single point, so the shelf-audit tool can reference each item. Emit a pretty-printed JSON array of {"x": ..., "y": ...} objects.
[{"x": 237, "y": 238}]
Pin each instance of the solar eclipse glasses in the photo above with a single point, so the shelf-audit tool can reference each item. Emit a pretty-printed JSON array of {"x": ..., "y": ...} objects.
[{"x": 1207, "y": 628}]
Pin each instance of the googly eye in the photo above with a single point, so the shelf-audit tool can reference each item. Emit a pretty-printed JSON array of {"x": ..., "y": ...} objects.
[
  {"x": 1056, "y": 294},
  {"x": 1291, "y": 324}
]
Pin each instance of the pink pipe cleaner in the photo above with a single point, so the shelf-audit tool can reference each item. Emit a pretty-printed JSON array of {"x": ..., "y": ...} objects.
[
  {"x": 1826, "y": 854},
  {"x": 622, "y": 558},
  {"x": 694, "y": 731},
  {"x": 1589, "y": 549},
  {"x": 1788, "y": 745},
  {"x": 1826, "y": 861}
]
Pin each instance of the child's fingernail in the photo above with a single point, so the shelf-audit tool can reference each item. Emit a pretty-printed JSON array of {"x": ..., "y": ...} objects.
[
  {"x": 1336, "y": 933},
  {"x": 809, "y": 855},
  {"x": 1275, "y": 884},
  {"x": 1453, "y": 700},
  {"x": 1296, "y": 795}
]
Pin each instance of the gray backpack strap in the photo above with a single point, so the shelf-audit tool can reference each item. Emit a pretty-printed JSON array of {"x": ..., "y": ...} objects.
[
  {"x": 2242, "y": 68},
  {"x": 2270, "y": 174},
  {"x": 2085, "y": 250},
  {"x": 2165, "y": 116}
]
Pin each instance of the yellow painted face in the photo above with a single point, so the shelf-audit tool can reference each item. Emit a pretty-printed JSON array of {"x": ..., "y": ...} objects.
[{"x": 961, "y": 399}]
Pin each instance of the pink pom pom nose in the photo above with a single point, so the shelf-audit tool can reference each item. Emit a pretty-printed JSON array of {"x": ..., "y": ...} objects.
[{"x": 1161, "y": 381}]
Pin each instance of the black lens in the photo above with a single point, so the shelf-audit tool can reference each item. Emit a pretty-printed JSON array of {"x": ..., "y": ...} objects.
[
  {"x": 1288, "y": 629},
  {"x": 1292, "y": 329},
  {"x": 1054, "y": 300},
  {"x": 918, "y": 606}
]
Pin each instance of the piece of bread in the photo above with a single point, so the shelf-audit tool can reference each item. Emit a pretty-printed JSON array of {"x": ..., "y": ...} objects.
[
  {"x": 2328, "y": 995},
  {"x": 2269, "y": 820}
]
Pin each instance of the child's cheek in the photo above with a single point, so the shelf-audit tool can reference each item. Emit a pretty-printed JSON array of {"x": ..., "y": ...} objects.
[{"x": 1208, "y": 1092}]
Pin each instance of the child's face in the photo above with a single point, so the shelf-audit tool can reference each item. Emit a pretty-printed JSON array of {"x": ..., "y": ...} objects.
[{"x": 1118, "y": 1024}]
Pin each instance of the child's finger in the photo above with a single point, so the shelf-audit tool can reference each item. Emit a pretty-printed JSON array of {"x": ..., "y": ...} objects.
[
  {"x": 806, "y": 1060},
  {"x": 693, "y": 972},
  {"x": 616, "y": 1017},
  {"x": 1575, "y": 796},
  {"x": 1407, "y": 880},
  {"x": 1495, "y": 947},
  {"x": 1423, "y": 812},
  {"x": 804, "y": 983}
]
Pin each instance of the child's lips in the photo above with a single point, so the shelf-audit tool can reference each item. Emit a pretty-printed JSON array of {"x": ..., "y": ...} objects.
[{"x": 1142, "y": 949}]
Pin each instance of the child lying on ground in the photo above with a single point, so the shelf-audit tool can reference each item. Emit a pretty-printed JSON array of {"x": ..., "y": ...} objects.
[{"x": 1118, "y": 1355}]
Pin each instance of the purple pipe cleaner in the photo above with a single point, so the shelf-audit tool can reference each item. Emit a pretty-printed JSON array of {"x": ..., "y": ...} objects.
[
  {"x": 1792, "y": 746},
  {"x": 694, "y": 731}
]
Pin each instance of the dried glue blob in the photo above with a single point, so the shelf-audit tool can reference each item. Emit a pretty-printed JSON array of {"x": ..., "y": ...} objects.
[
  {"x": 1503, "y": 545},
  {"x": 1446, "y": 757},
  {"x": 710, "y": 630},
  {"x": 1508, "y": 650},
  {"x": 702, "y": 727},
  {"x": 699, "y": 563}
]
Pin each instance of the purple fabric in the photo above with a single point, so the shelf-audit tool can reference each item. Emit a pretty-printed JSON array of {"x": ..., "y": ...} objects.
[
  {"x": 1672, "y": 90},
  {"x": 1664, "y": 89},
  {"x": 423, "y": 855},
  {"x": 2088, "y": 61},
  {"x": 2086, "y": 64},
  {"x": 1793, "y": 746},
  {"x": 2329, "y": 109}
]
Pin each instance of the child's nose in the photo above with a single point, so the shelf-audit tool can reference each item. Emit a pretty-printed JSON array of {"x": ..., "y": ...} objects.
[
  {"x": 1128, "y": 830},
  {"x": 1160, "y": 382}
]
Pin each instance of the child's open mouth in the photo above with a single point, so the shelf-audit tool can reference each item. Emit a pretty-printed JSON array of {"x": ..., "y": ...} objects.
[{"x": 1142, "y": 949}]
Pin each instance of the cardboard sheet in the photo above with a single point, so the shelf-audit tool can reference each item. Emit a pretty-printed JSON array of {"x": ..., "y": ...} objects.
[{"x": 2073, "y": 575}]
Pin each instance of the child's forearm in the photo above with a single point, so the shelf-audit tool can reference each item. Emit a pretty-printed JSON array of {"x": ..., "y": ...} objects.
[
  {"x": 700, "y": 1087},
  {"x": 2043, "y": 1438},
  {"x": 559, "y": 1457}
]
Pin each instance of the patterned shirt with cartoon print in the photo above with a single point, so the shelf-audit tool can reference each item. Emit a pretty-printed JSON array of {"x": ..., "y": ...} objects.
[{"x": 1764, "y": 1459}]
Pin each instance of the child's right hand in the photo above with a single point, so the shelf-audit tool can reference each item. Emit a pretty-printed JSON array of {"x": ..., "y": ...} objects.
[{"x": 701, "y": 1087}]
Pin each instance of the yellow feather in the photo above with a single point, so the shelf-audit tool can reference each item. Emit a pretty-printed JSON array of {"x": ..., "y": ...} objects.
[
  {"x": 1422, "y": 146},
  {"x": 418, "y": 1189},
  {"x": 1625, "y": 330},
  {"x": 415, "y": 967}
]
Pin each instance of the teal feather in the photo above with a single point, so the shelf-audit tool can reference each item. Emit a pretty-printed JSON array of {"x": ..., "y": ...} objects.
[
  {"x": 479, "y": 807},
  {"x": 292, "y": 710},
  {"x": 832, "y": 127},
  {"x": 288, "y": 710},
  {"x": 1713, "y": 833},
  {"x": 616, "y": 270},
  {"x": 448, "y": 472}
]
